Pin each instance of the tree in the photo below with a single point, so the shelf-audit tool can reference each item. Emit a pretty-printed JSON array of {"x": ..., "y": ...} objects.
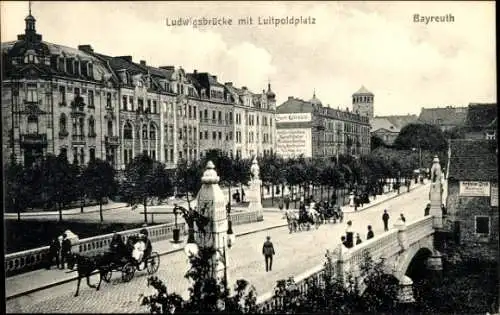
[
  {"x": 17, "y": 187},
  {"x": 207, "y": 295},
  {"x": 145, "y": 178},
  {"x": 98, "y": 179},
  {"x": 58, "y": 180},
  {"x": 425, "y": 136},
  {"x": 376, "y": 141},
  {"x": 188, "y": 178}
]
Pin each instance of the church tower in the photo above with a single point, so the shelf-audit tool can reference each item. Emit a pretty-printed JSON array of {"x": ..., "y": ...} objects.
[{"x": 362, "y": 102}]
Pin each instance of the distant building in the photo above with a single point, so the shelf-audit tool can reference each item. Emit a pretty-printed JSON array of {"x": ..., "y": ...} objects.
[
  {"x": 445, "y": 118},
  {"x": 387, "y": 128},
  {"x": 472, "y": 197},
  {"x": 363, "y": 102},
  {"x": 481, "y": 121},
  {"x": 314, "y": 130}
]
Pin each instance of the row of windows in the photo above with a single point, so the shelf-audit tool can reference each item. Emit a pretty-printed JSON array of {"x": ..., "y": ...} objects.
[
  {"x": 127, "y": 131},
  {"x": 151, "y": 107},
  {"x": 362, "y": 99}
]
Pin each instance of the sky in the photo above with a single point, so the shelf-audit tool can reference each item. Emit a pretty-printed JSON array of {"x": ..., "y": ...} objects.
[{"x": 406, "y": 64}]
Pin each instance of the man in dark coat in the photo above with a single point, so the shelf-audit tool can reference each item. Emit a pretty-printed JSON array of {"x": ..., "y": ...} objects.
[
  {"x": 287, "y": 202},
  {"x": 427, "y": 210},
  {"x": 385, "y": 218},
  {"x": 268, "y": 252},
  {"x": 370, "y": 234},
  {"x": 54, "y": 249},
  {"x": 349, "y": 235},
  {"x": 65, "y": 249}
]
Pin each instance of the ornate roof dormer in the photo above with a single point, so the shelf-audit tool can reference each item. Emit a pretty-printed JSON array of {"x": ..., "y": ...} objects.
[
  {"x": 270, "y": 94},
  {"x": 314, "y": 100},
  {"x": 30, "y": 34}
]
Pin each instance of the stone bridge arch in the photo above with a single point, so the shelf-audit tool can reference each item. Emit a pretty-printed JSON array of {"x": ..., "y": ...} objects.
[{"x": 423, "y": 251}]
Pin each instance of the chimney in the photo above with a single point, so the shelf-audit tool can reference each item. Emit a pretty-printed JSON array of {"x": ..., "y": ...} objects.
[
  {"x": 244, "y": 88},
  {"x": 142, "y": 62},
  {"x": 195, "y": 71},
  {"x": 86, "y": 48},
  {"x": 128, "y": 58},
  {"x": 167, "y": 67},
  {"x": 290, "y": 98},
  {"x": 214, "y": 77},
  {"x": 230, "y": 84}
]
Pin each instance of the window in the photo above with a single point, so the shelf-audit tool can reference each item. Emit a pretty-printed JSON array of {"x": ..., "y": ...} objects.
[
  {"x": 69, "y": 65},
  {"x": 32, "y": 124},
  {"x": 205, "y": 114},
  {"x": 144, "y": 131},
  {"x": 171, "y": 155},
  {"x": 194, "y": 112},
  {"x": 62, "y": 94},
  {"x": 108, "y": 99},
  {"x": 140, "y": 104},
  {"x": 220, "y": 116},
  {"x": 131, "y": 101},
  {"x": 82, "y": 156},
  {"x": 180, "y": 133},
  {"x": 213, "y": 115},
  {"x": 195, "y": 131},
  {"x": 214, "y": 135},
  {"x": 82, "y": 126},
  {"x": 92, "y": 154},
  {"x": 110, "y": 128},
  {"x": 125, "y": 156},
  {"x": 125, "y": 103},
  {"x": 155, "y": 107},
  {"x": 148, "y": 108},
  {"x": 127, "y": 131},
  {"x": 189, "y": 111},
  {"x": 482, "y": 225},
  {"x": 220, "y": 135},
  {"x": 206, "y": 135},
  {"x": 180, "y": 155},
  {"x": 91, "y": 98},
  {"x": 152, "y": 132},
  {"x": 91, "y": 126},
  {"x": 62, "y": 123},
  {"x": 63, "y": 152},
  {"x": 201, "y": 134}
]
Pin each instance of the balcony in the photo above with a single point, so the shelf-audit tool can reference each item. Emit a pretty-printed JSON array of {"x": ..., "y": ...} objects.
[
  {"x": 78, "y": 139},
  {"x": 112, "y": 140},
  {"x": 34, "y": 139},
  {"x": 77, "y": 111},
  {"x": 92, "y": 134},
  {"x": 63, "y": 134}
]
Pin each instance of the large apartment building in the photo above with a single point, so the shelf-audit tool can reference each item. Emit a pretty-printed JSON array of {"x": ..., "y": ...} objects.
[
  {"x": 88, "y": 105},
  {"x": 308, "y": 128}
]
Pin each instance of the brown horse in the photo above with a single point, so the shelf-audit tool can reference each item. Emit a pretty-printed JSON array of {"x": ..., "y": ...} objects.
[{"x": 86, "y": 265}]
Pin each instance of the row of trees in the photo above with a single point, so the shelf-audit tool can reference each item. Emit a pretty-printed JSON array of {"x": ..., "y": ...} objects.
[{"x": 54, "y": 183}]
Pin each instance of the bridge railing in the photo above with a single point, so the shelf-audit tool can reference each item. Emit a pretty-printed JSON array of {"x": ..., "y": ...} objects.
[
  {"x": 347, "y": 260},
  {"x": 36, "y": 258}
]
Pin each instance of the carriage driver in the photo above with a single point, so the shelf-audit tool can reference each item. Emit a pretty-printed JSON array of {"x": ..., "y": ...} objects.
[
  {"x": 144, "y": 236},
  {"x": 117, "y": 247}
]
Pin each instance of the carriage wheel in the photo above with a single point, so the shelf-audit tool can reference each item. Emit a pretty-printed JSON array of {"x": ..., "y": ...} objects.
[
  {"x": 153, "y": 263},
  {"x": 128, "y": 272},
  {"x": 107, "y": 275}
]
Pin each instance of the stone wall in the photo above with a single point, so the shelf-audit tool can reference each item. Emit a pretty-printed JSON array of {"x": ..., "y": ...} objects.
[{"x": 462, "y": 211}]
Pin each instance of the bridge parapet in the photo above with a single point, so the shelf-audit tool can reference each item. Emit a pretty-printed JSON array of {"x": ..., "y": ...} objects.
[{"x": 386, "y": 245}]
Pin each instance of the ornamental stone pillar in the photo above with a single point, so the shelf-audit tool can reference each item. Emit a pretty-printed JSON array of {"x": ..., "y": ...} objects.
[
  {"x": 254, "y": 196},
  {"x": 435, "y": 266},
  {"x": 211, "y": 204},
  {"x": 436, "y": 194},
  {"x": 402, "y": 237}
]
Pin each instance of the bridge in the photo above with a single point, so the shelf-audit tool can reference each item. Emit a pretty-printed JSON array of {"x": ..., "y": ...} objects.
[{"x": 399, "y": 248}]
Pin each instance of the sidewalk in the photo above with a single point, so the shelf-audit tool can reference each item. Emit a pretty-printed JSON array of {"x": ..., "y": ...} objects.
[
  {"x": 373, "y": 202},
  {"x": 41, "y": 279}
]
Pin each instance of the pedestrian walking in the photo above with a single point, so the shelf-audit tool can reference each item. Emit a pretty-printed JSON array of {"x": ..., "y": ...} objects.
[
  {"x": 370, "y": 234},
  {"x": 268, "y": 252},
  {"x": 385, "y": 218},
  {"x": 358, "y": 239},
  {"x": 349, "y": 235},
  {"x": 54, "y": 250},
  {"x": 280, "y": 205},
  {"x": 242, "y": 195},
  {"x": 427, "y": 210},
  {"x": 60, "y": 239},
  {"x": 444, "y": 211},
  {"x": 65, "y": 249},
  {"x": 287, "y": 202},
  {"x": 403, "y": 218}
]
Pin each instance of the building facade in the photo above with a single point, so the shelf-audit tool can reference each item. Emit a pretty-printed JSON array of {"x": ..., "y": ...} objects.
[
  {"x": 387, "y": 128},
  {"x": 472, "y": 197},
  {"x": 481, "y": 121},
  {"x": 308, "y": 128},
  {"x": 363, "y": 102},
  {"x": 446, "y": 118},
  {"x": 87, "y": 105}
]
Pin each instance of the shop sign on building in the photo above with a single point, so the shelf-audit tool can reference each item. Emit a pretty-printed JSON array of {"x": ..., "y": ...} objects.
[
  {"x": 474, "y": 189},
  {"x": 293, "y": 117},
  {"x": 292, "y": 142},
  {"x": 494, "y": 194}
]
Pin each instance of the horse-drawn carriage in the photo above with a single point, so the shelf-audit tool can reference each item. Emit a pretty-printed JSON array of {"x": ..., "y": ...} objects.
[
  {"x": 312, "y": 215},
  {"x": 135, "y": 255}
]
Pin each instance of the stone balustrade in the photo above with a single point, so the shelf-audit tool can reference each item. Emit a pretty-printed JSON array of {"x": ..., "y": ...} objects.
[
  {"x": 348, "y": 260},
  {"x": 35, "y": 258}
]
